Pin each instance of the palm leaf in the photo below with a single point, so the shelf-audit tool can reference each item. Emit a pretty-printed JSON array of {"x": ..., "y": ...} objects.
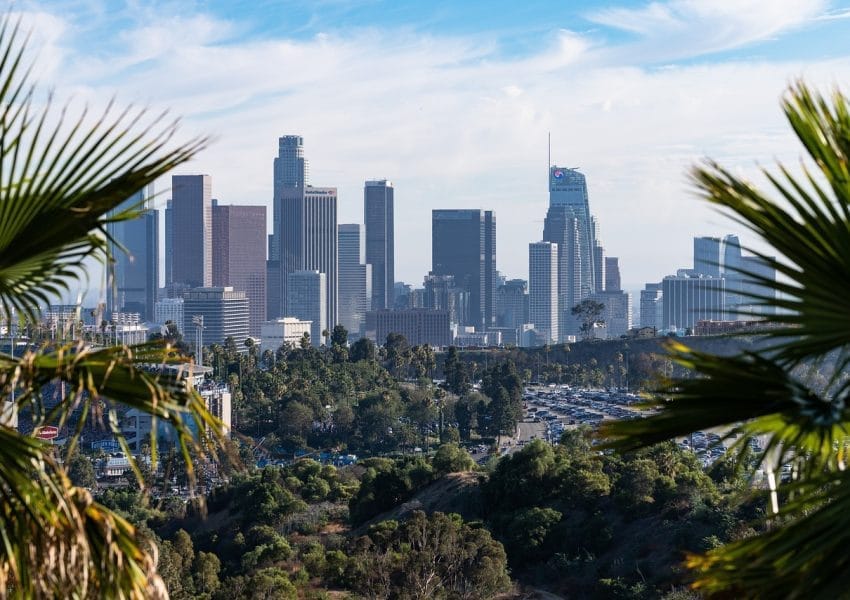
[
  {"x": 60, "y": 181},
  {"x": 764, "y": 394}
]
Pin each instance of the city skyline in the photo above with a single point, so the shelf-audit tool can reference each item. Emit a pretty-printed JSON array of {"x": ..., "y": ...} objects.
[{"x": 634, "y": 93}]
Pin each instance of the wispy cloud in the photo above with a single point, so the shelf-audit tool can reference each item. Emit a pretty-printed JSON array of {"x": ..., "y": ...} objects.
[{"x": 681, "y": 28}]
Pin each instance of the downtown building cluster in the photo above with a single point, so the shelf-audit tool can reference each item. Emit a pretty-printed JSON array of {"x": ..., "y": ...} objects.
[{"x": 225, "y": 277}]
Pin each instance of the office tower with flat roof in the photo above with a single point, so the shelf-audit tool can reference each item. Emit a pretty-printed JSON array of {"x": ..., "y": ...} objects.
[
  {"x": 191, "y": 203},
  {"x": 378, "y": 215},
  {"x": 418, "y": 325},
  {"x": 612, "y": 274},
  {"x": 169, "y": 242},
  {"x": 543, "y": 290},
  {"x": 512, "y": 303},
  {"x": 464, "y": 246},
  {"x": 439, "y": 292},
  {"x": 561, "y": 228},
  {"x": 169, "y": 309},
  {"x": 617, "y": 311},
  {"x": 355, "y": 281},
  {"x": 239, "y": 256},
  {"x": 307, "y": 300},
  {"x": 690, "y": 297},
  {"x": 707, "y": 256},
  {"x": 134, "y": 274},
  {"x": 225, "y": 313},
  {"x": 651, "y": 306}
]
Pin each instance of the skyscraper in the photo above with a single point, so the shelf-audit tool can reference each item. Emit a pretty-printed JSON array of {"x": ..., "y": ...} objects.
[
  {"x": 309, "y": 241},
  {"x": 290, "y": 172},
  {"x": 355, "y": 281},
  {"x": 306, "y": 220},
  {"x": 169, "y": 243},
  {"x": 464, "y": 246},
  {"x": 612, "y": 274},
  {"x": 543, "y": 290},
  {"x": 289, "y": 179},
  {"x": 307, "y": 300},
  {"x": 689, "y": 297},
  {"x": 512, "y": 303},
  {"x": 225, "y": 314},
  {"x": 191, "y": 239},
  {"x": 134, "y": 280},
  {"x": 239, "y": 252},
  {"x": 568, "y": 188},
  {"x": 378, "y": 207}
]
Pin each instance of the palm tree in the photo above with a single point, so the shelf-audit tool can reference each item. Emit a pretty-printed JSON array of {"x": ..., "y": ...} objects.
[
  {"x": 59, "y": 181},
  {"x": 772, "y": 394}
]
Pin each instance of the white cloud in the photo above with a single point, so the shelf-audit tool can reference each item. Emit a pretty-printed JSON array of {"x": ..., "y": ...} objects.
[
  {"x": 453, "y": 125},
  {"x": 681, "y": 28}
]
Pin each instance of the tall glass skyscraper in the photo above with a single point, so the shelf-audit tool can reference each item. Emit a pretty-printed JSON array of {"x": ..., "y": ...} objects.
[
  {"x": 134, "y": 276},
  {"x": 464, "y": 245},
  {"x": 239, "y": 251},
  {"x": 191, "y": 230},
  {"x": 289, "y": 181},
  {"x": 378, "y": 207},
  {"x": 570, "y": 225},
  {"x": 355, "y": 281}
]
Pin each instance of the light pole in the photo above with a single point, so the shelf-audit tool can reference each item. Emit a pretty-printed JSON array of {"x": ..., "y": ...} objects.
[{"x": 198, "y": 322}]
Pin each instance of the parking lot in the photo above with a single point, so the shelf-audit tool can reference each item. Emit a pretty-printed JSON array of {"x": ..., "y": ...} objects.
[{"x": 561, "y": 407}]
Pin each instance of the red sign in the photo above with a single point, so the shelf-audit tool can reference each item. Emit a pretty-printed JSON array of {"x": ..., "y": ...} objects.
[{"x": 48, "y": 432}]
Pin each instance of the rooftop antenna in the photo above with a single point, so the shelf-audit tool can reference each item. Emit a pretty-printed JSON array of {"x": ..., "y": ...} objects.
[{"x": 550, "y": 154}]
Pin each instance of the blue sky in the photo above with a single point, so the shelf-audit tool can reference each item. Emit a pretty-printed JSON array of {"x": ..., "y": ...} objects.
[{"x": 453, "y": 101}]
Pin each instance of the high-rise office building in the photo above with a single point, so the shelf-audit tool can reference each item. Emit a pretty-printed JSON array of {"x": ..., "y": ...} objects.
[
  {"x": 169, "y": 309},
  {"x": 690, "y": 297},
  {"x": 746, "y": 277},
  {"x": 378, "y": 207},
  {"x": 568, "y": 188},
  {"x": 289, "y": 180},
  {"x": 617, "y": 313},
  {"x": 651, "y": 306},
  {"x": 191, "y": 238},
  {"x": 306, "y": 238},
  {"x": 134, "y": 274},
  {"x": 355, "y": 281},
  {"x": 290, "y": 172},
  {"x": 418, "y": 325},
  {"x": 612, "y": 274},
  {"x": 224, "y": 311},
  {"x": 512, "y": 303},
  {"x": 239, "y": 256},
  {"x": 307, "y": 299},
  {"x": 439, "y": 292},
  {"x": 464, "y": 246},
  {"x": 570, "y": 225},
  {"x": 169, "y": 243},
  {"x": 543, "y": 290}
]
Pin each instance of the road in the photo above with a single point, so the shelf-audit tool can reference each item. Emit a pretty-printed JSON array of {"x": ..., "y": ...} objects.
[{"x": 526, "y": 431}]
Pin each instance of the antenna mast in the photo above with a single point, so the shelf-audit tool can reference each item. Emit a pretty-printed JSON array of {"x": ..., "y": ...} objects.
[{"x": 550, "y": 155}]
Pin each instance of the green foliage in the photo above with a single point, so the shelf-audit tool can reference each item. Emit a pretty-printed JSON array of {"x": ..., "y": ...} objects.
[
  {"x": 451, "y": 458},
  {"x": 437, "y": 556},
  {"x": 387, "y": 483}
]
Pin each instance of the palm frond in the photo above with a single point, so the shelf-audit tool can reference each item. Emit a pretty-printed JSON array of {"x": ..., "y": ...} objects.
[
  {"x": 810, "y": 228},
  {"x": 59, "y": 182}
]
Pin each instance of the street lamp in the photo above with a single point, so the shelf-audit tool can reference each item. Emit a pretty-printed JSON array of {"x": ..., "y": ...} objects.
[{"x": 198, "y": 322}]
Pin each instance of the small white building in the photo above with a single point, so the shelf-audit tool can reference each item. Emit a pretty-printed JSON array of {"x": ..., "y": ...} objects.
[{"x": 280, "y": 331}]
